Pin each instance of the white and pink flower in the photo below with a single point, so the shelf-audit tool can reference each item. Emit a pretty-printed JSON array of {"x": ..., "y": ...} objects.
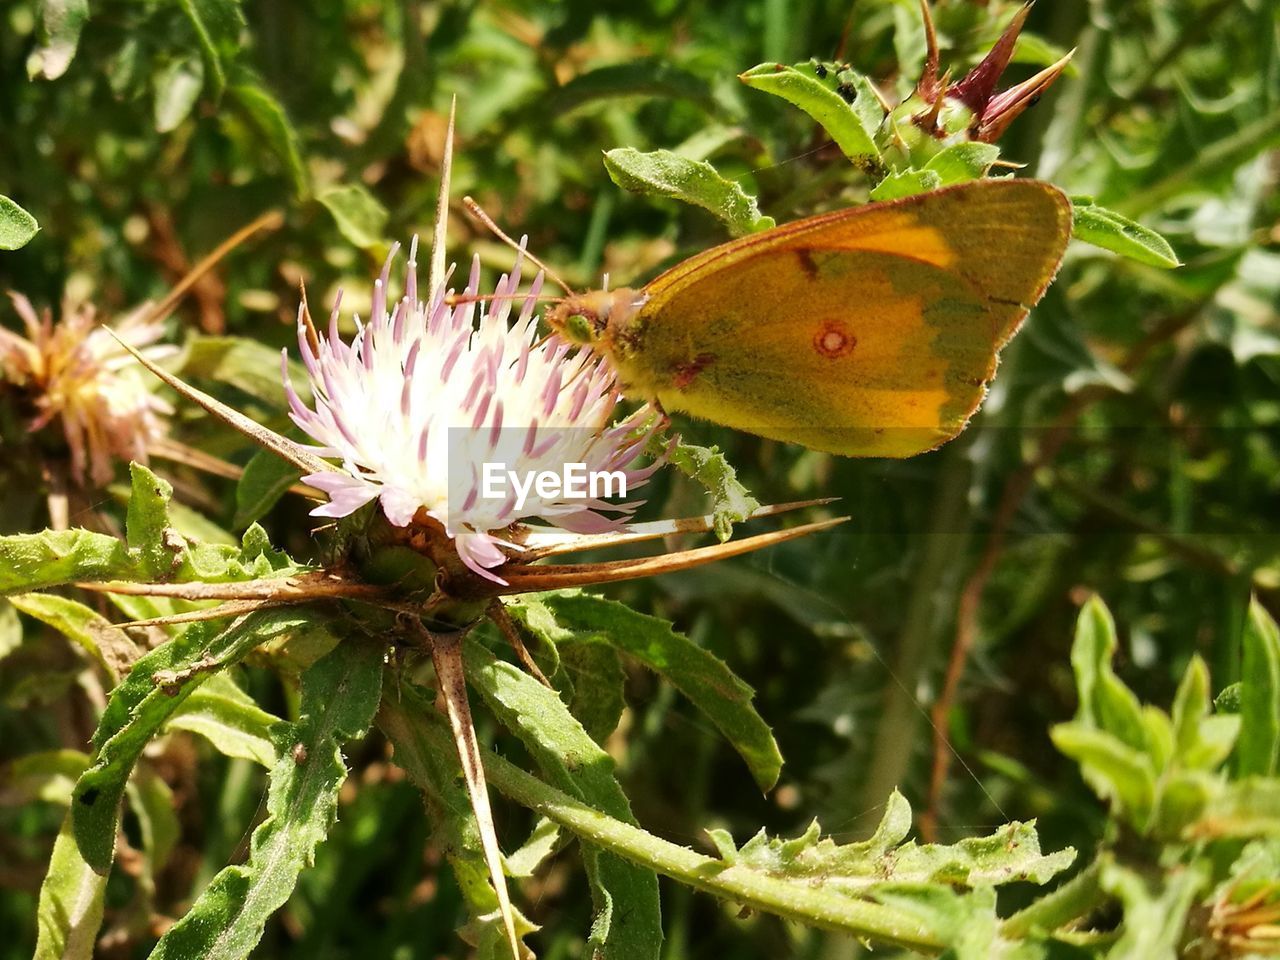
[{"x": 423, "y": 396}]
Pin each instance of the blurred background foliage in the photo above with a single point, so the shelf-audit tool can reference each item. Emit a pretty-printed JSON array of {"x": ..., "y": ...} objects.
[{"x": 1131, "y": 445}]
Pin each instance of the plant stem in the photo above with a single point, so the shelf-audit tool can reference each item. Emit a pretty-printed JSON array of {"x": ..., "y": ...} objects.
[
  {"x": 798, "y": 901},
  {"x": 1071, "y": 901}
]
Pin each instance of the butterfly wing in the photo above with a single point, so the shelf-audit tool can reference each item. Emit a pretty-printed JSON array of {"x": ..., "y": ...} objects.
[{"x": 866, "y": 332}]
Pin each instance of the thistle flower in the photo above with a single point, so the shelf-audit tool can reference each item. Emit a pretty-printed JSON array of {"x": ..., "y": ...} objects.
[
  {"x": 422, "y": 398},
  {"x": 75, "y": 372}
]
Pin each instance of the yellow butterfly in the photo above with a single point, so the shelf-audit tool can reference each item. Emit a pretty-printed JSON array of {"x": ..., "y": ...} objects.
[{"x": 867, "y": 332}]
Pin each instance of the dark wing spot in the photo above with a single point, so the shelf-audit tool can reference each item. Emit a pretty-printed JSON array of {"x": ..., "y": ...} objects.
[
  {"x": 807, "y": 263},
  {"x": 834, "y": 340},
  {"x": 686, "y": 373}
]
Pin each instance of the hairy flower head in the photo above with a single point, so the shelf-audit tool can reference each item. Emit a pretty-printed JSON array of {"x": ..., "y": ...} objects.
[
  {"x": 75, "y": 372},
  {"x": 424, "y": 396}
]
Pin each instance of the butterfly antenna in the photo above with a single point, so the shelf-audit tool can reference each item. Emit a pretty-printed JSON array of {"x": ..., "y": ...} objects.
[{"x": 473, "y": 208}]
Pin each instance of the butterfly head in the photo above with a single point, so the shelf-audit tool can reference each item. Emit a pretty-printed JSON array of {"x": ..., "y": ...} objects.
[{"x": 589, "y": 318}]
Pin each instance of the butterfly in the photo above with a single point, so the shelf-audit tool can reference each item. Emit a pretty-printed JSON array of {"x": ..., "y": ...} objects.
[{"x": 871, "y": 331}]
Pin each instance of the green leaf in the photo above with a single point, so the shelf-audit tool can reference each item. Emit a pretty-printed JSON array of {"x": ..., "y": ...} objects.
[
  {"x": 1105, "y": 702},
  {"x": 217, "y": 25},
  {"x": 358, "y": 214},
  {"x": 71, "y": 903},
  {"x": 731, "y": 502},
  {"x": 158, "y": 548},
  {"x": 17, "y": 227},
  {"x": 1203, "y": 741},
  {"x": 340, "y": 696},
  {"x": 1116, "y": 771},
  {"x": 229, "y": 719},
  {"x": 266, "y": 479},
  {"x": 965, "y": 161},
  {"x": 843, "y": 103},
  {"x": 571, "y": 760},
  {"x": 1155, "y": 914},
  {"x": 666, "y": 174},
  {"x": 405, "y": 720},
  {"x": 1009, "y": 855},
  {"x": 33, "y": 561},
  {"x": 1244, "y": 809},
  {"x": 244, "y": 364},
  {"x": 1109, "y": 230},
  {"x": 154, "y": 690},
  {"x": 906, "y": 184},
  {"x": 1259, "y": 747},
  {"x": 176, "y": 89},
  {"x": 596, "y": 681},
  {"x": 152, "y": 803},
  {"x": 100, "y": 638},
  {"x": 10, "y": 627},
  {"x": 705, "y": 679},
  {"x": 60, "y": 24},
  {"x": 266, "y": 113},
  {"x": 49, "y": 776},
  {"x": 544, "y": 840}
]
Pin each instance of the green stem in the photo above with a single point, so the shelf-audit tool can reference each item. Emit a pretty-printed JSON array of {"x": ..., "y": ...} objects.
[
  {"x": 1071, "y": 901},
  {"x": 793, "y": 900}
]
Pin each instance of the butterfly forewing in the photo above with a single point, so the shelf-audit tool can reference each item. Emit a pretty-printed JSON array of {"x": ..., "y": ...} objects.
[{"x": 865, "y": 332}]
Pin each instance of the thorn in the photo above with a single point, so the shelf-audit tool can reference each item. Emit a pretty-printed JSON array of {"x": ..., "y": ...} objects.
[
  {"x": 978, "y": 85},
  {"x": 1006, "y": 106},
  {"x": 927, "y": 89}
]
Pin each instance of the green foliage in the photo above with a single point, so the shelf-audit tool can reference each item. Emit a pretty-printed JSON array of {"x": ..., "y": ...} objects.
[
  {"x": 339, "y": 698},
  {"x": 17, "y": 227},
  {"x": 1128, "y": 447}
]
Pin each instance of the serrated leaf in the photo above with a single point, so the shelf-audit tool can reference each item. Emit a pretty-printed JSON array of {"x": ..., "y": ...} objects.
[
  {"x": 17, "y": 227},
  {"x": 1259, "y": 746},
  {"x": 1109, "y": 230},
  {"x": 1010, "y": 854},
  {"x": 1116, "y": 771},
  {"x": 340, "y": 696},
  {"x": 704, "y": 679},
  {"x": 572, "y": 761},
  {"x": 229, "y": 719},
  {"x": 662, "y": 173},
  {"x": 33, "y": 561},
  {"x": 266, "y": 479},
  {"x": 61, "y": 22},
  {"x": 100, "y": 638},
  {"x": 358, "y": 214},
  {"x": 267, "y": 114},
  {"x": 176, "y": 88},
  {"x": 217, "y": 24},
  {"x": 156, "y": 687},
  {"x": 435, "y": 769},
  {"x": 906, "y": 184},
  {"x": 846, "y": 120},
  {"x": 731, "y": 502},
  {"x": 965, "y": 161},
  {"x": 71, "y": 903}
]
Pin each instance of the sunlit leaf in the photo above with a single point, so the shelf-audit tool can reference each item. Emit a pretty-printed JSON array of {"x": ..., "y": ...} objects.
[
  {"x": 358, "y": 214},
  {"x": 340, "y": 695},
  {"x": 229, "y": 719},
  {"x": 666, "y": 174},
  {"x": 1259, "y": 749},
  {"x": 708, "y": 683},
  {"x": 71, "y": 903},
  {"x": 1109, "y": 230},
  {"x": 17, "y": 227}
]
